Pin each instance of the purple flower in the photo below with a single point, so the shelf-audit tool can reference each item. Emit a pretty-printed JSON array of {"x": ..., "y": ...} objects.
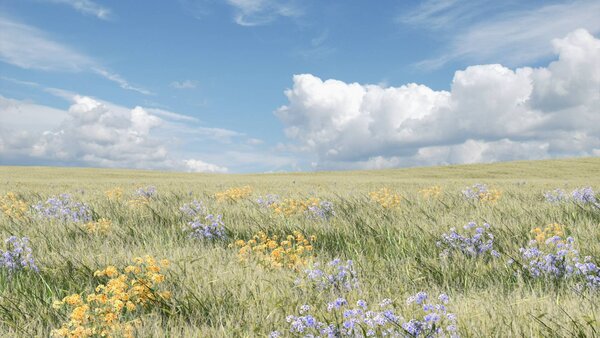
[
  {"x": 584, "y": 195},
  {"x": 476, "y": 242},
  {"x": 147, "y": 193},
  {"x": 17, "y": 256},
  {"x": 63, "y": 208},
  {"x": 203, "y": 225}
]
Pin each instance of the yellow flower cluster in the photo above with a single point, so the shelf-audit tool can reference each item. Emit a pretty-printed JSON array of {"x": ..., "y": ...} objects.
[
  {"x": 101, "y": 226},
  {"x": 233, "y": 194},
  {"x": 386, "y": 198},
  {"x": 549, "y": 231},
  {"x": 430, "y": 192},
  {"x": 293, "y": 252},
  {"x": 12, "y": 207},
  {"x": 114, "y": 194},
  {"x": 491, "y": 195},
  {"x": 111, "y": 310},
  {"x": 291, "y": 206}
]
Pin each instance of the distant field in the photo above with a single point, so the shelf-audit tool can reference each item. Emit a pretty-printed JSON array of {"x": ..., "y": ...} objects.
[{"x": 387, "y": 222}]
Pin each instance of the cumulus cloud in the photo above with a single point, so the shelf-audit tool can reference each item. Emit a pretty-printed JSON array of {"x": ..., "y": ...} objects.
[
  {"x": 90, "y": 133},
  {"x": 198, "y": 166},
  {"x": 491, "y": 113}
]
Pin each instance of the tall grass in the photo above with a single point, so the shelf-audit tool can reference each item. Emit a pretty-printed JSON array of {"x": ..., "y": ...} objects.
[{"x": 394, "y": 250}]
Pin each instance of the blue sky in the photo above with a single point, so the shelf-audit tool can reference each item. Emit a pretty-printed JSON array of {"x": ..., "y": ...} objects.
[{"x": 208, "y": 80}]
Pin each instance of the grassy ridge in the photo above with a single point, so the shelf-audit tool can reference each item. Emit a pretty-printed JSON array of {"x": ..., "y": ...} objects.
[{"x": 214, "y": 294}]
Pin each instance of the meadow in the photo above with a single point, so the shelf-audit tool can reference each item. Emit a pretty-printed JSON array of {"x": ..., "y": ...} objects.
[{"x": 489, "y": 250}]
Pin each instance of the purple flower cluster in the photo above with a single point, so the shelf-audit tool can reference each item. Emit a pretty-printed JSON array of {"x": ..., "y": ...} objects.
[
  {"x": 202, "y": 224},
  {"x": 584, "y": 196},
  {"x": 268, "y": 200},
  {"x": 17, "y": 256},
  {"x": 323, "y": 211},
  {"x": 436, "y": 321},
  {"x": 555, "y": 196},
  {"x": 343, "y": 320},
  {"x": 476, "y": 242},
  {"x": 560, "y": 260},
  {"x": 63, "y": 208},
  {"x": 147, "y": 193},
  {"x": 336, "y": 276},
  {"x": 211, "y": 228},
  {"x": 476, "y": 191}
]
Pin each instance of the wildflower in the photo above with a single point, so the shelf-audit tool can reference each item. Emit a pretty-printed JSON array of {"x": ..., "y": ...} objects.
[
  {"x": 233, "y": 194},
  {"x": 268, "y": 200},
  {"x": 549, "y": 231},
  {"x": 584, "y": 195},
  {"x": 346, "y": 321},
  {"x": 18, "y": 255},
  {"x": 476, "y": 242},
  {"x": 211, "y": 228},
  {"x": 13, "y": 207},
  {"x": 63, "y": 208},
  {"x": 194, "y": 209},
  {"x": 386, "y": 198},
  {"x": 147, "y": 193},
  {"x": 431, "y": 192},
  {"x": 557, "y": 258},
  {"x": 114, "y": 194},
  {"x": 202, "y": 224},
  {"x": 336, "y": 277},
  {"x": 555, "y": 196},
  {"x": 480, "y": 192},
  {"x": 108, "y": 310},
  {"x": 293, "y": 252},
  {"x": 312, "y": 207},
  {"x": 101, "y": 226}
]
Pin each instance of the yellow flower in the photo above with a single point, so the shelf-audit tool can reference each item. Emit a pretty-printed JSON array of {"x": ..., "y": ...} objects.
[
  {"x": 548, "y": 231},
  {"x": 291, "y": 252},
  {"x": 433, "y": 191},
  {"x": 114, "y": 194},
  {"x": 103, "y": 312},
  {"x": 233, "y": 194},
  {"x": 13, "y": 207},
  {"x": 74, "y": 299},
  {"x": 62, "y": 332},
  {"x": 386, "y": 198},
  {"x": 130, "y": 306}
]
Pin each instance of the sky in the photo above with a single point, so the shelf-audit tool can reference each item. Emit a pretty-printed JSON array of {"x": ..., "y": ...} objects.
[{"x": 242, "y": 86}]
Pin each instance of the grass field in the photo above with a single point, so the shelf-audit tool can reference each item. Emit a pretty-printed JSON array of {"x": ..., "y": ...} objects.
[{"x": 211, "y": 290}]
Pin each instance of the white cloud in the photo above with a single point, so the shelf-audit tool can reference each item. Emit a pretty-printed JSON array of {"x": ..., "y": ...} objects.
[
  {"x": 260, "y": 12},
  {"x": 185, "y": 84},
  {"x": 90, "y": 133},
  {"x": 29, "y": 48},
  {"x": 499, "y": 31},
  {"x": 116, "y": 78},
  {"x": 491, "y": 113},
  {"x": 87, "y": 7},
  {"x": 198, "y": 166}
]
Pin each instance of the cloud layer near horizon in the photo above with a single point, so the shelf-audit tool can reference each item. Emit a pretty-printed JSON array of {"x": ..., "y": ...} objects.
[
  {"x": 91, "y": 133},
  {"x": 491, "y": 113}
]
